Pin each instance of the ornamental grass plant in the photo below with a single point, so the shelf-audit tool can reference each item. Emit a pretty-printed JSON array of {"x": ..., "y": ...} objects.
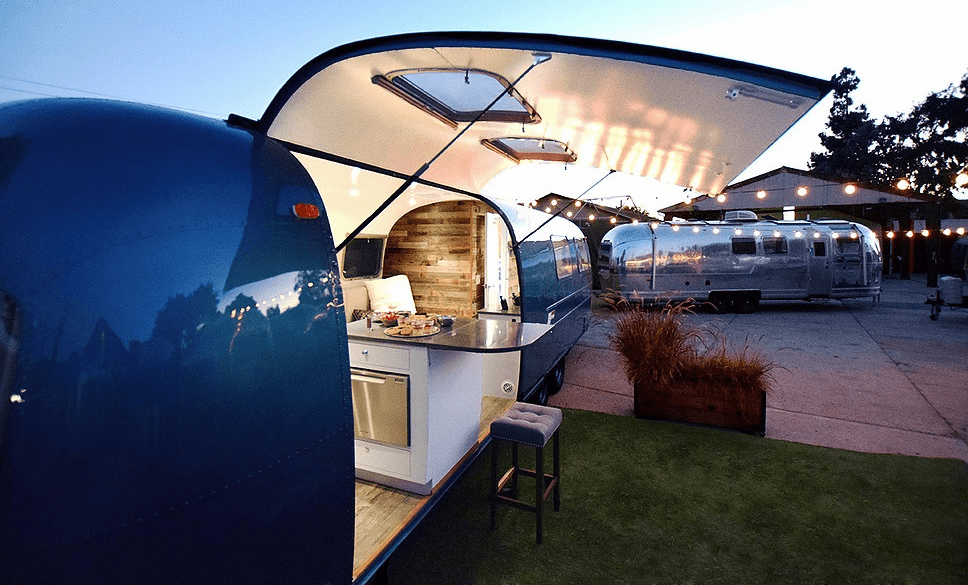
[{"x": 664, "y": 355}]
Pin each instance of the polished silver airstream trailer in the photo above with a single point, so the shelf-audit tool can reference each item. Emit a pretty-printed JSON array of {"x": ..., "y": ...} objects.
[{"x": 735, "y": 263}]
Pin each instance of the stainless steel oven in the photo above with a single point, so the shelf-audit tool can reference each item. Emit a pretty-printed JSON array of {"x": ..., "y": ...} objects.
[{"x": 381, "y": 407}]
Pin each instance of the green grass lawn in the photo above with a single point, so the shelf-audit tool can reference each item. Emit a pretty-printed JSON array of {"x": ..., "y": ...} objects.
[{"x": 651, "y": 502}]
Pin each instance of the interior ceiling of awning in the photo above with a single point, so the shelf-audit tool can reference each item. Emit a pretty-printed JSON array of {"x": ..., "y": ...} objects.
[{"x": 676, "y": 117}]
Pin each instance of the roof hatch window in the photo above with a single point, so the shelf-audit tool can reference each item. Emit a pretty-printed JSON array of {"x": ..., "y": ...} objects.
[
  {"x": 519, "y": 149},
  {"x": 459, "y": 95}
]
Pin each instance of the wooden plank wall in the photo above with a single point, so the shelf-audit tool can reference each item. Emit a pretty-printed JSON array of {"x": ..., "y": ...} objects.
[{"x": 440, "y": 247}]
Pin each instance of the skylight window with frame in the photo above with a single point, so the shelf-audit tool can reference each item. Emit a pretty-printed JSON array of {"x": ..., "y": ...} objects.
[
  {"x": 460, "y": 95},
  {"x": 527, "y": 148}
]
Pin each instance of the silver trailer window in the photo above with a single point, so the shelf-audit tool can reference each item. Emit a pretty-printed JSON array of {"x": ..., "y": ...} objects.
[
  {"x": 744, "y": 245},
  {"x": 775, "y": 245},
  {"x": 848, "y": 247}
]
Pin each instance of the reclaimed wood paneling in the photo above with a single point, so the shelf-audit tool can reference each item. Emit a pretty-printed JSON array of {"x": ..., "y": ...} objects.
[{"x": 440, "y": 247}]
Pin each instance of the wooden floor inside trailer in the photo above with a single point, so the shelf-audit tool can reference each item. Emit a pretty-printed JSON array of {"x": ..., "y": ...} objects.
[{"x": 383, "y": 512}]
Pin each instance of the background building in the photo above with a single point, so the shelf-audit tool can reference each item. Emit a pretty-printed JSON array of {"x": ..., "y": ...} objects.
[{"x": 900, "y": 218}]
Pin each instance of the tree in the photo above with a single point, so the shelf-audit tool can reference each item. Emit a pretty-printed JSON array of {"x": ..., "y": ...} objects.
[
  {"x": 178, "y": 322},
  {"x": 928, "y": 148},
  {"x": 851, "y": 137}
]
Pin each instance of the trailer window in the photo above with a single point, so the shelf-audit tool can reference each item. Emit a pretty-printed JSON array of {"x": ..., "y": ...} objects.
[
  {"x": 604, "y": 253},
  {"x": 776, "y": 245},
  {"x": 851, "y": 247},
  {"x": 744, "y": 245},
  {"x": 584, "y": 260},
  {"x": 363, "y": 257},
  {"x": 819, "y": 249},
  {"x": 565, "y": 260}
]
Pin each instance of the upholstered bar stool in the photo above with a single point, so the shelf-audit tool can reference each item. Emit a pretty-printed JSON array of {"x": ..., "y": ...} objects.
[{"x": 533, "y": 426}]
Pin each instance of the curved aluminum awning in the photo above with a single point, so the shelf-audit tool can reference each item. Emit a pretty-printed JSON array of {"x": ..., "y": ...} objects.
[{"x": 678, "y": 117}]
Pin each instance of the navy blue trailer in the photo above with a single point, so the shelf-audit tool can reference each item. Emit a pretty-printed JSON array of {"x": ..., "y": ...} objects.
[
  {"x": 181, "y": 411},
  {"x": 174, "y": 369},
  {"x": 554, "y": 271}
]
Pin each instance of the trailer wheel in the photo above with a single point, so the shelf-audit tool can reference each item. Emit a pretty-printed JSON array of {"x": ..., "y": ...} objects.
[
  {"x": 555, "y": 379},
  {"x": 746, "y": 302},
  {"x": 720, "y": 302},
  {"x": 540, "y": 394}
]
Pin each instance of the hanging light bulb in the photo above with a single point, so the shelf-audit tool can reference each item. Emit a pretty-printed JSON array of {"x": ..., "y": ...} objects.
[
  {"x": 890, "y": 235},
  {"x": 909, "y": 234},
  {"x": 925, "y": 233},
  {"x": 903, "y": 184},
  {"x": 850, "y": 189},
  {"x": 761, "y": 194},
  {"x": 802, "y": 191}
]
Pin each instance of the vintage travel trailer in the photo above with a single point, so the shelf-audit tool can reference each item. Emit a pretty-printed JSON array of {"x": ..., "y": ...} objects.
[
  {"x": 192, "y": 391},
  {"x": 735, "y": 263}
]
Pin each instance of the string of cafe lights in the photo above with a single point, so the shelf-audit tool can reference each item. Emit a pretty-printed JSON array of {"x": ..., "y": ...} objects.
[
  {"x": 580, "y": 203},
  {"x": 282, "y": 301},
  {"x": 961, "y": 182}
]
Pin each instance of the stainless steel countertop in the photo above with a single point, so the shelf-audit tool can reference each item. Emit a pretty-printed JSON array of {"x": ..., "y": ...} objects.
[{"x": 473, "y": 335}]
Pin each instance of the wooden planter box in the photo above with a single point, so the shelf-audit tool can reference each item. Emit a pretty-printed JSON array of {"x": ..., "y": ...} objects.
[{"x": 741, "y": 410}]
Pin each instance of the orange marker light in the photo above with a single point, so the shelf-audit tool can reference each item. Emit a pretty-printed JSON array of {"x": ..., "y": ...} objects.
[{"x": 305, "y": 211}]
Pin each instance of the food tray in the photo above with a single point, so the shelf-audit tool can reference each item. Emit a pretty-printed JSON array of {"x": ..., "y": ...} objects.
[{"x": 426, "y": 332}]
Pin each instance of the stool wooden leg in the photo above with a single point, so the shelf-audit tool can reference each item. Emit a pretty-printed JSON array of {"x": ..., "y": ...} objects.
[
  {"x": 557, "y": 473},
  {"x": 494, "y": 453},
  {"x": 515, "y": 466},
  {"x": 539, "y": 487}
]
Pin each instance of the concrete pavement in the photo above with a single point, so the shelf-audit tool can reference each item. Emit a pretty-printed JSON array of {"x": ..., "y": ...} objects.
[{"x": 880, "y": 378}]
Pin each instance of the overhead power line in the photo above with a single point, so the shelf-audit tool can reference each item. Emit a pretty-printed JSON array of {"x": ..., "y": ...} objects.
[{"x": 84, "y": 91}]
